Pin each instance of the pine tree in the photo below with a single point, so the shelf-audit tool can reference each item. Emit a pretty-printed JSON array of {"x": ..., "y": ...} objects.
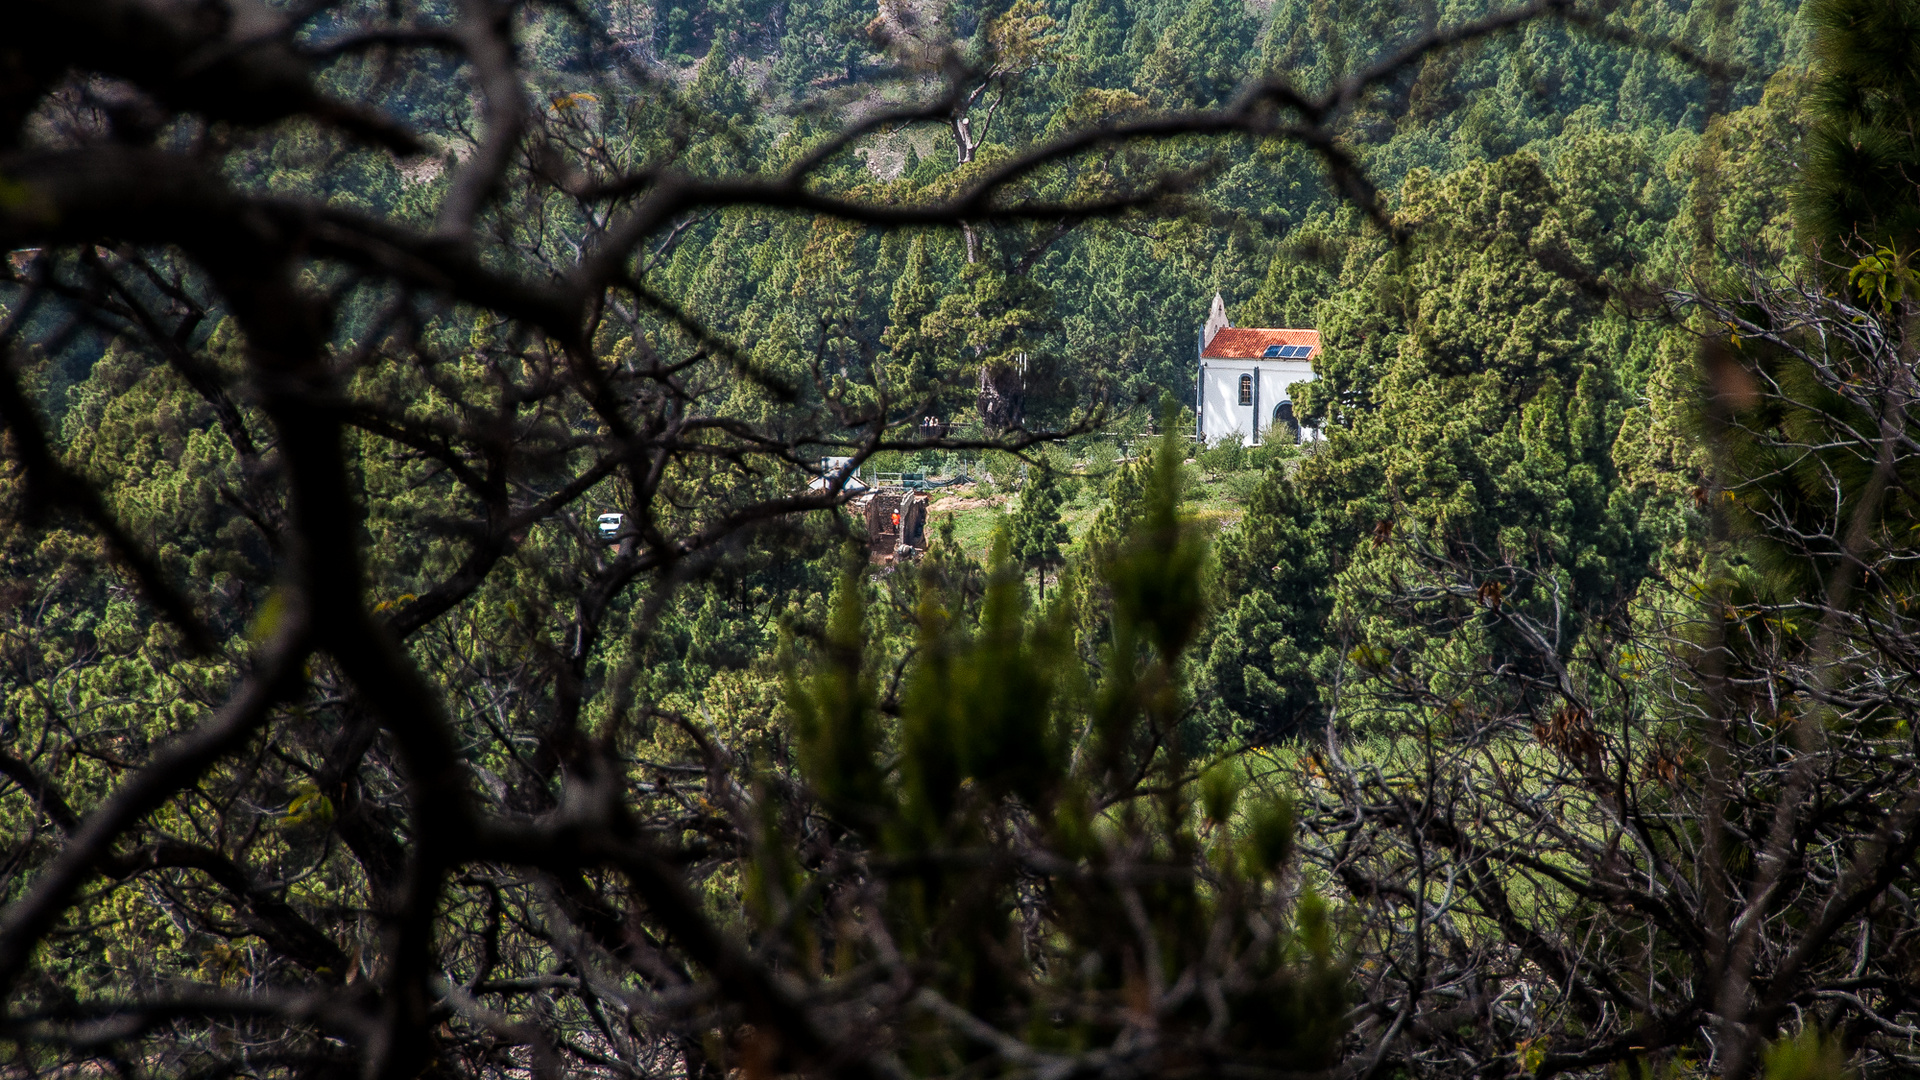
[
  {"x": 997, "y": 322},
  {"x": 997, "y": 758},
  {"x": 1203, "y": 57},
  {"x": 1094, "y": 47},
  {"x": 1274, "y": 601},
  {"x": 1469, "y": 383},
  {"x": 912, "y": 367},
  {"x": 1863, "y": 151},
  {"x": 1794, "y": 399},
  {"x": 1039, "y": 534}
]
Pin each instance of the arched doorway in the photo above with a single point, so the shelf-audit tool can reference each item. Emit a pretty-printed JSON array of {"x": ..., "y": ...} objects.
[{"x": 1284, "y": 428}]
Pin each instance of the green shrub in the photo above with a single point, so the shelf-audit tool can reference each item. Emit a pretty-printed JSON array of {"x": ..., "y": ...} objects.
[{"x": 1227, "y": 455}]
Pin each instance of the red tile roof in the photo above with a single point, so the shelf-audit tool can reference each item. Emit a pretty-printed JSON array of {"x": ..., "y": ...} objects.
[{"x": 1248, "y": 343}]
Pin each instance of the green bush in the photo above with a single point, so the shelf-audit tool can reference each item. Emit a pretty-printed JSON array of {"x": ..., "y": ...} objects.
[{"x": 1227, "y": 455}]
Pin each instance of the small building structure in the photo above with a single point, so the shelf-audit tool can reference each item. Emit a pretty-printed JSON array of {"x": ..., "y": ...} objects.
[
  {"x": 896, "y": 524},
  {"x": 893, "y": 505},
  {"x": 1243, "y": 379},
  {"x": 837, "y": 469}
]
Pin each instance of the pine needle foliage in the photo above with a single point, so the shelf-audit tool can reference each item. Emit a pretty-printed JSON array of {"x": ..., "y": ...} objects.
[
  {"x": 1039, "y": 534},
  {"x": 1030, "y": 849},
  {"x": 1863, "y": 153}
]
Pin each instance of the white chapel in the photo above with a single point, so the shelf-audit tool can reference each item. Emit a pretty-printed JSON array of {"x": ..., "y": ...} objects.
[{"x": 1244, "y": 376}]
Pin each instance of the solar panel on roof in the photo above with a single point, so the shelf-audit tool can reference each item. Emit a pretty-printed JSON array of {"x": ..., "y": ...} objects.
[{"x": 1278, "y": 350}]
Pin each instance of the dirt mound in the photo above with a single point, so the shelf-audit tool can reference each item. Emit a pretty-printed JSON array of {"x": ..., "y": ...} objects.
[{"x": 945, "y": 506}]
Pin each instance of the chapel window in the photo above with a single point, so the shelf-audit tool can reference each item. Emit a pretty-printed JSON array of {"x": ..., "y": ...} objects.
[{"x": 1246, "y": 389}]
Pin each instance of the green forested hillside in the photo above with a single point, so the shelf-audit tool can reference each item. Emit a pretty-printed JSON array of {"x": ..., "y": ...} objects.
[
  {"x": 1116, "y": 304},
  {"x": 1552, "y": 713}
]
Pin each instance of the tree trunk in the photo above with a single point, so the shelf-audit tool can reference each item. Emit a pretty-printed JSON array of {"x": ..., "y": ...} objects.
[
  {"x": 999, "y": 399},
  {"x": 965, "y": 145}
]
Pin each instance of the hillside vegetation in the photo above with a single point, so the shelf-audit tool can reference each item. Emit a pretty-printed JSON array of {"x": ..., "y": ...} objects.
[{"x": 1552, "y": 714}]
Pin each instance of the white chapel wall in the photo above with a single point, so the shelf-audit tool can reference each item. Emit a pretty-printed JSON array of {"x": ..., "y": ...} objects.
[{"x": 1221, "y": 412}]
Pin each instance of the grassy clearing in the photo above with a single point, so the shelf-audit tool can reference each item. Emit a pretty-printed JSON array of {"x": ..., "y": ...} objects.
[{"x": 1217, "y": 500}]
